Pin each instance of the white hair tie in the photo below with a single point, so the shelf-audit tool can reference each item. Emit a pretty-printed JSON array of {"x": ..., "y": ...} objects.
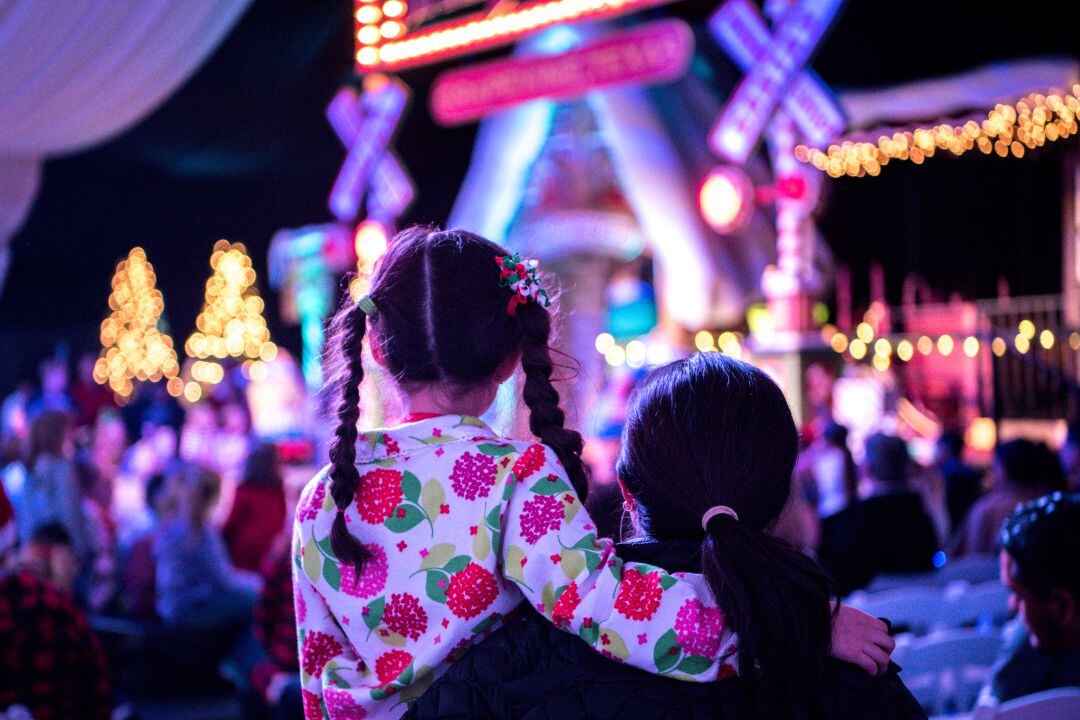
[{"x": 713, "y": 512}]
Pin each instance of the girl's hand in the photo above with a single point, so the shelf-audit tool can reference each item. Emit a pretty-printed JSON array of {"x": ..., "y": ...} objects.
[{"x": 862, "y": 640}]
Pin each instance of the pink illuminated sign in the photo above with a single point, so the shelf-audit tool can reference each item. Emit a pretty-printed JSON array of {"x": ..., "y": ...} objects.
[{"x": 657, "y": 52}]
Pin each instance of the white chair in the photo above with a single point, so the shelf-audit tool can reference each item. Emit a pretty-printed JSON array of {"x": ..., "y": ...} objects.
[
  {"x": 984, "y": 605},
  {"x": 974, "y": 569},
  {"x": 917, "y": 608},
  {"x": 1059, "y": 704},
  {"x": 946, "y": 669}
]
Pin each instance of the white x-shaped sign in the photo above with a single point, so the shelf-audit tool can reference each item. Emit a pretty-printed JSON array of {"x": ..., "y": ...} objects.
[
  {"x": 774, "y": 75},
  {"x": 365, "y": 124}
]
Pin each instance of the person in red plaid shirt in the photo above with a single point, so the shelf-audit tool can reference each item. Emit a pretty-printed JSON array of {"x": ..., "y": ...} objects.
[
  {"x": 276, "y": 677},
  {"x": 51, "y": 663}
]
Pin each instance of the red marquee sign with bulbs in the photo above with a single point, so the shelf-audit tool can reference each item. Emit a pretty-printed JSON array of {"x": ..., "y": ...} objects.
[{"x": 393, "y": 36}]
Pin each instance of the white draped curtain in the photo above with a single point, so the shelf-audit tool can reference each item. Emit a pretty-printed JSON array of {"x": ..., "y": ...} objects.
[{"x": 74, "y": 73}]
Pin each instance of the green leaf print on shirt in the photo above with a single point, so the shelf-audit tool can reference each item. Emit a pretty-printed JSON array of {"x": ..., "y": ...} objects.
[
  {"x": 410, "y": 487},
  {"x": 332, "y": 574},
  {"x": 438, "y": 556},
  {"x": 694, "y": 664},
  {"x": 515, "y": 566},
  {"x": 373, "y": 613},
  {"x": 547, "y": 595},
  {"x": 493, "y": 522},
  {"x": 496, "y": 450},
  {"x": 589, "y": 631},
  {"x": 481, "y": 546},
  {"x": 551, "y": 485},
  {"x": 432, "y": 498},
  {"x": 457, "y": 564},
  {"x": 572, "y": 563},
  {"x": 436, "y": 439},
  {"x": 436, "y": 584},
  {"x": 312, "y": 561},
  {"x": 666, "y": 652},
  {"x": 439, "y": 566},
  {"x": 405, "y": 517},
  {"x": 613, "y": 644}
]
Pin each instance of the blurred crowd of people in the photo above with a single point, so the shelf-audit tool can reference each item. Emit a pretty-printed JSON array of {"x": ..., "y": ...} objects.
[
  {"x": 165, "y": 530},
  {"x": 891, "y": 515},
  {"x": 169, "y": 528}
]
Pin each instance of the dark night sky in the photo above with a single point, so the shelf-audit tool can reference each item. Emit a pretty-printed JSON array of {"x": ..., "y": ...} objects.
[{"x": 243, "y": 149}]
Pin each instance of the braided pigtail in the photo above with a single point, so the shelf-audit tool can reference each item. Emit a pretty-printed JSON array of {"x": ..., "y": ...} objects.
[
  {"x": 345, "y": 337},
  {"x": 546, "y": 418}
]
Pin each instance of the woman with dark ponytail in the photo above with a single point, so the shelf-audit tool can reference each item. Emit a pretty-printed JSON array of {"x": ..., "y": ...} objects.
[
  {"x": 706, "y": 469},
  {"x": 418, "y": 539}
]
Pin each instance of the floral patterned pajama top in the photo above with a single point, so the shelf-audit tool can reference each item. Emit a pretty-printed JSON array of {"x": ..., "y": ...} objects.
[{"x": 462, "y": 525}]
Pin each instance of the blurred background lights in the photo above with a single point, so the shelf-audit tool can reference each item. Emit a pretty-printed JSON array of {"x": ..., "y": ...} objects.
[
  {"x": 945, "y": 345},
  {"x": 726, "y": 198}
]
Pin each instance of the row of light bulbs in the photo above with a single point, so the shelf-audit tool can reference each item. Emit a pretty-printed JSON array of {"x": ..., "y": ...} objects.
[
  {"x": 493, "y": 29},
  {"x": 637, "y": 354},
  {"x": 377, "y": 23},
  {"x": 883, "y": 349},
  {"x": 1007, "y": 129}
]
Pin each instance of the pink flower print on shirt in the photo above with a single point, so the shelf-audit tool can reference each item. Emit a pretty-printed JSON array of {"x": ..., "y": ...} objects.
[
  {"x": 563, "y": 612},
  {"x": 372, "y": 578},
  {"x": 405, "y": 616},
  {"x": 471, "y": 591},
  {"x": 378, "y": 494},
  {"x": 341, "y": 706},
  {"x": 318, "y": 649},
  {"x": 389, "y": 666},
  {"x": 301, "y": 607},
  {"x": 698, "y": 628},
  {"x": 639, "y": 595},
  {"x": 309, "y": 510},
  {"x": 312, "y": 706},
  {"x": 541, "y": 515},
  {"x": 473, "y": 476},
  {"x": 530, "y": 461}
]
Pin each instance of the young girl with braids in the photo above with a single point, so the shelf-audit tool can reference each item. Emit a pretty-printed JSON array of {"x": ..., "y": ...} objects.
[{"x": 420, "y": 538}]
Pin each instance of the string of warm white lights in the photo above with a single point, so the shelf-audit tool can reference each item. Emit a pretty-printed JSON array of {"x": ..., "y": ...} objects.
[
  {"x": 882, "y": 350},
  {"x": 132, "y": 346},
  {"x": 865, "y": 344},
  {"x": 1025, "y": 125},
  {"x": 638, "y": 353}
]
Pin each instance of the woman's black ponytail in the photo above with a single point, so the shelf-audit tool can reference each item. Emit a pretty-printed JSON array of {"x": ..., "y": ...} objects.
[
  {"x": 776, "y": 600},
  {"x": 345, "y": 341},
  {"x": 546, "y": 418}
]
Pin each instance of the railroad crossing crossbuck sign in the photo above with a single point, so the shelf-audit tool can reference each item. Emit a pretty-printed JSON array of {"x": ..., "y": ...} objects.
[
  {"x": 365, "y": 124},
  {"x": 773, "y": 63}
]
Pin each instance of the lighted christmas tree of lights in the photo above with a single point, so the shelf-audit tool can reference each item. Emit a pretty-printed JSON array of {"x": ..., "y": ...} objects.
[
  {"x": 133, "y": 348},
  {"x": 231, "y": 323}
]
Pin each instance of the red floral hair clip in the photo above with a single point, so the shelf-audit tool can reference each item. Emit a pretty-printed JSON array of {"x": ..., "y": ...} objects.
[{"x": 521, "y": 277}]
